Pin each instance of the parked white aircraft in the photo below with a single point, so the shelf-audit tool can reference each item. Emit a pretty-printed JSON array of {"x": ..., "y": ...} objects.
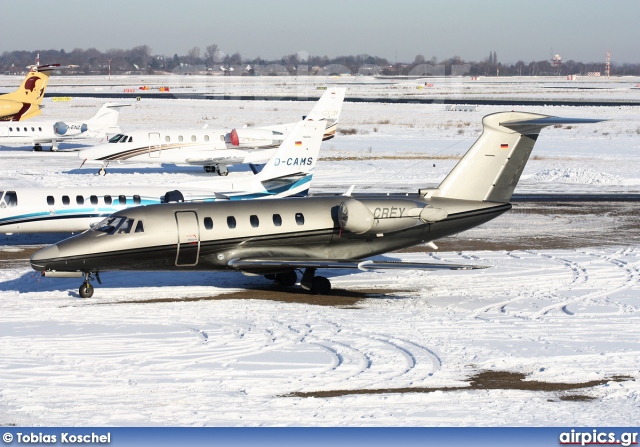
[
  {"x": 37, "y": 133},
  {"x": 212, "y": 148},
  {"x": 42, "y": 210}
]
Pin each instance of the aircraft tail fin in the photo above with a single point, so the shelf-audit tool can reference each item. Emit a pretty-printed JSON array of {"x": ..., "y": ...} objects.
[
  {"x": 105, "y": 121},
  {"x": 328, "y": 109},
  {"x": 30, "y": 93},
  {"x": 491, "y": 168},
  {"x": 298, "y": 153}
]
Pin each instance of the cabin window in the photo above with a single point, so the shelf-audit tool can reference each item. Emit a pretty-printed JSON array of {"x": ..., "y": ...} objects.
[
  {"x": 300, "y": 218},
  {"x": 107, "y": 200},
  {"x": 231, "y": 222},
  {"x": 80, "y": 200},
  {"x": 115, "y": 138},
  {"x": 32, "y": 129},
  {"x": 206, "y": 138},
  {"x": 51, "y": 201},
  {"x": 193, "y": 138},
  {"x": 277, "y": 220},
  {"x": 180, "y": 139},
  {"x": 65, "y": 200},
  {"x": 139, "y": 227},
  {"x": 208, "y": 223},
  {"x": 254, "y": 221},
  {"x": 94, "y": 200},
  {"x": 25, "y": 129},
  {"x": 10, "y": 129},
  {"x": 136, "y": 199},
  {"x": 122, "y": 200},
  {"x": 39, "y": 129},
  {"x": 10, "y": 199},
  {"x": 17, "y": 129},
  {"x": 167, "y": 139}
]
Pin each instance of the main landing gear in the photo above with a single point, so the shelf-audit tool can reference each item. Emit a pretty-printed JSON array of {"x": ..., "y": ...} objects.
[
  {"x": 219, "y": 169},
  {"x": 37, "y": 147},
  {"x": 318, "y": 285},
  {"x": 86, "y": 289}
]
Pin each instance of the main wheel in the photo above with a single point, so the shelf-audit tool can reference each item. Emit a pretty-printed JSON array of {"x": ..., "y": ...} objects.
[
  {"x": 320, "y": 286},
  {"x": 37, "y": 148},
  {"x": 86, "y": 290},
  {"x": 287, "y": 279}
]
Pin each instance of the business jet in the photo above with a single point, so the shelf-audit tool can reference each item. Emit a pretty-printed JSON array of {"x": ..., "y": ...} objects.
[
  {"x": 276, "y": 238},
  {"x": 25, "y": 102},
  {"x": 37, "y": 133},
  {"x": 213, "y": 149},
  {"x": 45, "y": 210}
]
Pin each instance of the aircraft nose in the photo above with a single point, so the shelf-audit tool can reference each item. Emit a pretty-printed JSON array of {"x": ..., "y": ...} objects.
[{"x": 39, "y": 259}]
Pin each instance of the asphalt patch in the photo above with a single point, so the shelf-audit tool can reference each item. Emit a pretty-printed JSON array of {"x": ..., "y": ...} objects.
[
  {"x": 484, "y": 380},
  {"x": 340, "y": 298}
]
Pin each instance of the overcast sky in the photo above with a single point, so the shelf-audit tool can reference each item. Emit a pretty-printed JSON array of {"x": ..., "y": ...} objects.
[{"x": 582, "y": 30}]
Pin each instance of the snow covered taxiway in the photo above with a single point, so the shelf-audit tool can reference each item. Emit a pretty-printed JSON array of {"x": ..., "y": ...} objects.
[{"x": 560, "y": 305}]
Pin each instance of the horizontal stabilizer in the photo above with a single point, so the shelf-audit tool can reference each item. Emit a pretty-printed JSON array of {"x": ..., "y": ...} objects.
[
  {"x": 550, "y": 121},
  {"x": 274, "y": 264}
]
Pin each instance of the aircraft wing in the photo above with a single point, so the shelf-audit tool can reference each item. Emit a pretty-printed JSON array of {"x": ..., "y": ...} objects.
[
  {"x": 211, "y": 161},
  {"x": 275, "y": 264}
]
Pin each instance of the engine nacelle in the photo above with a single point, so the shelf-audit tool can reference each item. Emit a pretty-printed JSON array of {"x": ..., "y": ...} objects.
[
  {"x": 253, "y": 138},
  {"x": 355, "y": 217},
  {"x": 383, "y": 216},
  {"x": 69, "y": 129}
]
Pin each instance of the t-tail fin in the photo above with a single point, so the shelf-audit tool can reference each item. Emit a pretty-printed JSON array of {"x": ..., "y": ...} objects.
[
  {"x": 328, "y": 109},
  {"x": 105, "y": 121},
  {"x": 490, "y": 170},
  {"x": 30, "y": 93}
]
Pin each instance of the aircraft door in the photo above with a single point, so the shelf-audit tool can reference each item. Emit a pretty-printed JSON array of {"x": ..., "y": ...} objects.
[
  {"x": 188, "y": 238},
  {"x": 4, "y": 131},
  {"x": 154, "y": 145}
]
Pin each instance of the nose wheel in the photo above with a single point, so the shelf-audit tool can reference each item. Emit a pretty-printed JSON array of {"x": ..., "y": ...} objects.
[{"x": 86, "y": 289}]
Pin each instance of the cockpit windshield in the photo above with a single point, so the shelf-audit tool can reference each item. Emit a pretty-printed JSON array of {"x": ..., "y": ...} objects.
[
  {"x": 115, "y": 138},
  {"x": 115, "y": 225}
]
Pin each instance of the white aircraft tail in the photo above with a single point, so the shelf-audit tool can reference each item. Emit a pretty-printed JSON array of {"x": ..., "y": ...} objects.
[
  {"x": 298, "y": 153},
  {"x": 328, "y": 109},
  {"x": 105, "y": 121},
  {"x": 491, "y": 168}
]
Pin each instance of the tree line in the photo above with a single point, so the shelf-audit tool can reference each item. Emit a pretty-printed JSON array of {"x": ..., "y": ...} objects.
[{"x": 213, "y": 60}]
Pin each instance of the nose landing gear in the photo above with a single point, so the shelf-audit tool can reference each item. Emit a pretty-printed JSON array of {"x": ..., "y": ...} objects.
[{"x": 86, "y": 289}]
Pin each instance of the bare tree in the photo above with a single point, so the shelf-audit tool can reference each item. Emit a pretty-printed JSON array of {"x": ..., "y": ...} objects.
[
  {"x": 193, "y": 55},
  {"x": 210, "y": 54}
]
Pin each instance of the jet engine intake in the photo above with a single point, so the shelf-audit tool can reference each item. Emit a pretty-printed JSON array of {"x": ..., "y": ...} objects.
[{"x": 253, "y": 138}]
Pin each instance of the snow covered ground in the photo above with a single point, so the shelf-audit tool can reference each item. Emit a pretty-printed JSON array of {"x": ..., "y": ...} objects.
[{"x": 561, "y": 303}]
